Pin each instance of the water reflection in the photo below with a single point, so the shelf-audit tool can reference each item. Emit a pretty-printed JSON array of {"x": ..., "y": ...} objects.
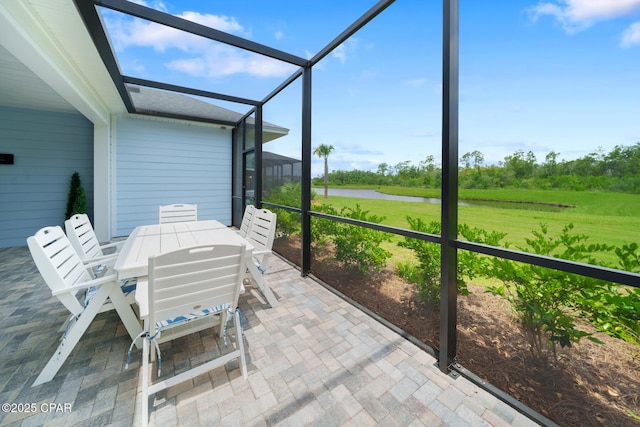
[{"x": 373, "y": 194}]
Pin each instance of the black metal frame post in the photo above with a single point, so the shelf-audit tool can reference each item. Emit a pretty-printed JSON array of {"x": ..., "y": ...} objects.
[
  {"x": 306, "y": 171},
  {"x": 449, "y": 213},
  {"x": 257, "y": 150}
]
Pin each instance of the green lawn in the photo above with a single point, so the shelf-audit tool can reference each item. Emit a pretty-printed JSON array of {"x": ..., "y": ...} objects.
[
  {"x": 604, "y": 217},
  {"x": 585, "y": 202}
]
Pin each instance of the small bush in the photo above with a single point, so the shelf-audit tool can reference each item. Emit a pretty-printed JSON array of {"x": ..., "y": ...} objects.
[
  {"x": 426, "y": 274},
  {"x": 323, "y": 230},
  {"x": 355, "y": 246},
  {"x": 289, "y": 194},
  {"x": 543, "y": 298},
  {"x": 611, "y": 308},
  {"x": 77, "y": 199}
]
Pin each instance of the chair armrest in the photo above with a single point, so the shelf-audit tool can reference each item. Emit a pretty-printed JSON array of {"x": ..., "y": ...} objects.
[
  {"x": 112, "y": 244},
  {"x": 261, "y": 252},
  {"x": 101, "y": 260},
  {"x": 87, "y": 284}
]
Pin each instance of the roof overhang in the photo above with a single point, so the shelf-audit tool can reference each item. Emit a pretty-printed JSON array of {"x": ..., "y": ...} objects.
[
  {"x": 181, "y": 107},
  {"x": 49, "y": 41},
  {"x": 55, "y": 55}
]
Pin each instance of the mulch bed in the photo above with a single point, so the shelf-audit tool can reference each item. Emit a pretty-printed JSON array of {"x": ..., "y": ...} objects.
[{"x": 589, "y": 385}]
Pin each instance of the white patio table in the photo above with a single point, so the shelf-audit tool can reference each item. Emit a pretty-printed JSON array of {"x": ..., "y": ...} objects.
[{"x": 155, "y": 239}]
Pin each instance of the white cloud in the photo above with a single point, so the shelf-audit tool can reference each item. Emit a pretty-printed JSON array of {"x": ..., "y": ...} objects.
[
  {"x": 577, "y": 15},
  {"x": 206, "y": 58},
  {"x": 348, "y": 47},
  {"x": 137, "y": 32},
  {"x": 340, "y": 53},
  {"x": 138, "y": 67},
  {"x": 196, "y": 67},
  {"x": 140, "y": 2},
  {"x": 279, "y": 35},
  {"x": 631, "y": 35},
  {"x": 222, "y": 23},
  {"x": 158, "y": 5},
  {"x": 222, "y": 61}
]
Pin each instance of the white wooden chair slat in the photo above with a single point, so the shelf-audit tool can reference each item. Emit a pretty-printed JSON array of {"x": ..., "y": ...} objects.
[
  {"x": 200, "y": 283},
  {"x": 247, "y": 218},
  {"x": 261, "y": 236},
  {"x": 62, "y": 269},
  {"x": 178, "y": 213},
  {"x": 84, "y": 240}
]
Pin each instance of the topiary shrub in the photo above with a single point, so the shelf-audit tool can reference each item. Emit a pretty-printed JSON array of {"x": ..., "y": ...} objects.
[{"x": 77, "y": 200}]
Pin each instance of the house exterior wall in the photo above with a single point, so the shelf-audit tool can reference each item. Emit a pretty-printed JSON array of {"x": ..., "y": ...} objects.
[
  {"x": 47, "y": 147},
  {"x": 159, "y": 162}
]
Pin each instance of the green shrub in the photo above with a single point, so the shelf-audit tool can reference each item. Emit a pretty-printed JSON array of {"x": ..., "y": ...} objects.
[
  {"x": 614, "y": 309},
  {"x": 544, "y": 299},
  {"x": 409, "y": 270},
  {"x": 426, "y": 274},
  {"x": 355, "y": 246},
  {"x": 323, "y": 230},
  {"x": 289, "y": 194},
  {"x": 359, "y": 246},
  {"x": 77, "y": 199},
  {"x": 288, "y": 223}
]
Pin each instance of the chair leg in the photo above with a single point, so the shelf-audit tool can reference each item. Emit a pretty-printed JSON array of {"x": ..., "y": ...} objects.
[
  {"x": 262, "y": 284},
  {"x": 223, "y": 320},
  {"x": 73, "y": 336},
  {"x": 145, "y": 382},
  {"x": 127, "y": 316},
  {"x": 240, "y": 342}
]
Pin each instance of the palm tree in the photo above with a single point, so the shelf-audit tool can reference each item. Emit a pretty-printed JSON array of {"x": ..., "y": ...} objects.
[{"x": 323, "y": 151}]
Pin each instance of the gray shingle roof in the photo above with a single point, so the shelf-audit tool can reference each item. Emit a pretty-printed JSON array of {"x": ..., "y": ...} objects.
[{"x": 169, "y": 104}]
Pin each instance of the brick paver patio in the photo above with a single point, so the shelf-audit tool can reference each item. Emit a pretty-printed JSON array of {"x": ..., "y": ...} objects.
[{"x": 314, "y": 360}]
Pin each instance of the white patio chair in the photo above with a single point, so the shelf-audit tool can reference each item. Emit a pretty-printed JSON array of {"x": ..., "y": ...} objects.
[
  {"x": 247, "y": 218},
  {"x": 178, "y": 213},
  {"x": 85, "y": 297},
  {"x": 84, "y": 240},
  {"x": 261, "y": 235},
  {"x": 189, "y": 290}
]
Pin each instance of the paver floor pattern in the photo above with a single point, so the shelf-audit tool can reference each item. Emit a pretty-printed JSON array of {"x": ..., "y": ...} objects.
[{"x": 314, "y": 360}]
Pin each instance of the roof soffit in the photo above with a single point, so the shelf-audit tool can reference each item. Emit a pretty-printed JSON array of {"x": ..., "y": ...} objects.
[{"x": 50, "y": 39}]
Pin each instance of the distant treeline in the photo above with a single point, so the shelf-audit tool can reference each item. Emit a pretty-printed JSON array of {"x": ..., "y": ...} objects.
[{"x": 618, "y": 170}]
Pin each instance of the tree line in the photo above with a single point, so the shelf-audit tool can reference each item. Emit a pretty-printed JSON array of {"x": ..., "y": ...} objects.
[{"x": 618, "y": 171}]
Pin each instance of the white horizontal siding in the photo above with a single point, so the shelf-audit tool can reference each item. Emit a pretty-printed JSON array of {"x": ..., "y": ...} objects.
[
  {"x": 47, "y": 147},
  {"x": 164, "y": 162}
]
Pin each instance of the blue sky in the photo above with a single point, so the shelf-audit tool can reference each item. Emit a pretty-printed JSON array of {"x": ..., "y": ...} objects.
[{"x": 561, "y": 75}]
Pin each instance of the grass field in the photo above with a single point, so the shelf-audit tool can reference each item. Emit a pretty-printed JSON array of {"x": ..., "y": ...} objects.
[
  {"x": 585, "y": 202},
  {"x": 609, "y": 218}
]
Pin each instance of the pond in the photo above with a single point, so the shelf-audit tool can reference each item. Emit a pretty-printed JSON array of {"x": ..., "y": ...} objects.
[{"x": 373, "y": 194}]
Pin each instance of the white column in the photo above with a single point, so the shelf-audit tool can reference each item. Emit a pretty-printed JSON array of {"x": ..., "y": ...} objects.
[{"x": 101, "y": 182}]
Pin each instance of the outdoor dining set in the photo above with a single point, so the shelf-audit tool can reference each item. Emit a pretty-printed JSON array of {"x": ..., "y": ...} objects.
[{"x": 180, "y": 276}]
